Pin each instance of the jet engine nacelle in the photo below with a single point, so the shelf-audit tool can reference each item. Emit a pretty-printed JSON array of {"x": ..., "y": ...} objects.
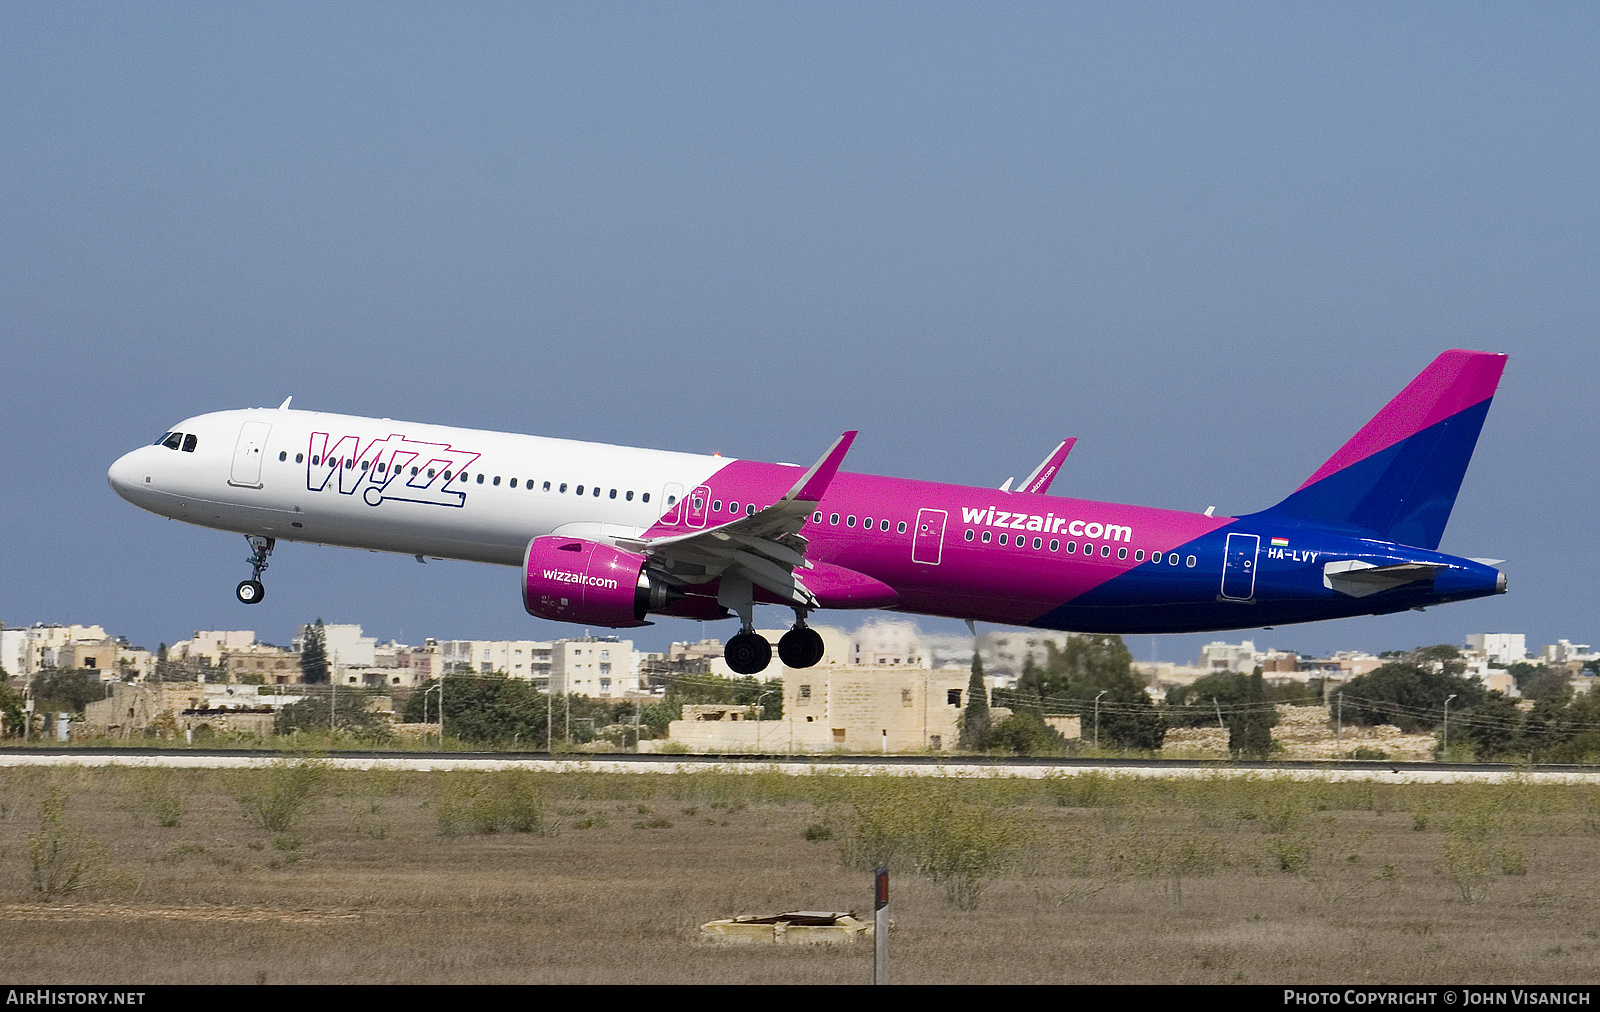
[{"x": 574, "y": 580}]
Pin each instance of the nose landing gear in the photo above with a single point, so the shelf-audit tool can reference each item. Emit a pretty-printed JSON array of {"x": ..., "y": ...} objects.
[{"x": 251, "y": 591}]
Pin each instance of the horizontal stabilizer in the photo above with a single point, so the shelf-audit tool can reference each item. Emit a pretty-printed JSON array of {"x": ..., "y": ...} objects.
[{"x": 1361, "y": 579}]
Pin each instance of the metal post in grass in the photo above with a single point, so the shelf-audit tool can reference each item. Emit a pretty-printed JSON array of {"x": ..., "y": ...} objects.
[{"x": 880, "y": 926}]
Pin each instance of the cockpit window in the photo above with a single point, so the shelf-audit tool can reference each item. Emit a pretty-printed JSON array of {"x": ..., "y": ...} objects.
[
  {"x": 173, "y": 440},
  {"x": 190, "y": 442}
]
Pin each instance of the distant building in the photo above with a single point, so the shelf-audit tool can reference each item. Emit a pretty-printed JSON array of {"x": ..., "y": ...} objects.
[
  {"x": 1219, "y": 656},
  {"x": 26, "y": 650},
  {"x": 856, "y": 708},
  {"x": 1564, "y": 651},
  {"x": 1501, "y": 648},
  {"x": 343, "y": 644},
  {"x": 600, "y": 666},
  {"x": 516, "y": 658},
  {"x": 261, "y": 663},
  {"x": 211, "y": 645}
]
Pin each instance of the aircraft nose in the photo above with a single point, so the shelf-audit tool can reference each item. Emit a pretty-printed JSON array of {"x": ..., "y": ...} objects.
[{"x": 126, "y": 474}]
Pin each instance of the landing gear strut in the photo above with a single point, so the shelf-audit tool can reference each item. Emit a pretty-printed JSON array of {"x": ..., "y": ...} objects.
[
  {"x": 251, "y": 591},
  {"x": 745, "y": 653}
]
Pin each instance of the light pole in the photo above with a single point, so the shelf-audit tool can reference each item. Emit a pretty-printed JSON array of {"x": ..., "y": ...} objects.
[
  {"x": 1097, "y": 718},
  {"x": 439, "y": 688},
  {"x": 1445, "y": 746},
  {"x": 759, "y": 698}
]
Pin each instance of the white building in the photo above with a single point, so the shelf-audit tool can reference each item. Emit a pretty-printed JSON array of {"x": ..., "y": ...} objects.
[
  {"x": 517, "y": 658},
  {"x": 1219, "y": 656},
  {"x": 592, "y": 666},
  {"x": 343, "y": 645},
  {"x": 211, "y": 645},
  {"x": 1502, "y": 648},
  {"x": 26, "y": 650},
  {"x": 1563, "y": 651}
]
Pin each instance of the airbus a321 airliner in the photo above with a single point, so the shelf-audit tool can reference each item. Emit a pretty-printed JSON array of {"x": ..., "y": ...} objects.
[{"x": 607, "y": 535}]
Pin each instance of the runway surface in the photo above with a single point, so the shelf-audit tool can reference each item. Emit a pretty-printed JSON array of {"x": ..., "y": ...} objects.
[{"x": 838, "y": 765}]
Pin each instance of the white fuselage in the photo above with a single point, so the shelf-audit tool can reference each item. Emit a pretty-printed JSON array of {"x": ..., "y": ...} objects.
[{"x": 366, "y": 483}]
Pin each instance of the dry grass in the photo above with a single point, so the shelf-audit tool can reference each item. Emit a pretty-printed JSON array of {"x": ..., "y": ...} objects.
[{"x": 1208, "y": 882}]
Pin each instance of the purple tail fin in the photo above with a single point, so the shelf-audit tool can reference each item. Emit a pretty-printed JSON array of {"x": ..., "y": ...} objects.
[{"x": 1398, "y": 477}]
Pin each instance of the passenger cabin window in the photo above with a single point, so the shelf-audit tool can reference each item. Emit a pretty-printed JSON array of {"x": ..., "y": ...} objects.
[
  {"x": 283, "y": 454},
  {"x": 670, "y": 499},
  {"x": 497, "y": 479},
  {"x": 900, "y": 528}
]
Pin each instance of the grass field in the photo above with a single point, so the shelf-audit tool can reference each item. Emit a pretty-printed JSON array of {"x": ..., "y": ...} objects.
[{"x": 303, "y": 874}]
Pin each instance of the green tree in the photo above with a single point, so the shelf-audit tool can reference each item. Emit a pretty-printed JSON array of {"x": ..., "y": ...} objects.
[
  {"x": 1493, "y": 727},
  {"x": 349, "y": 714},
  {"x": 494, "y": 709},
  {"x": 1090, "y": 667},
  {"x": 1560, "y": 730},
  {"x": 1250, "y": 724},
  {"x": 10, "y": 706},
  {"x": 1026, "y": 733},
  {"x": 1409, "y": 692},
  {"x": 66, "y": 689},
  {"x": 314, "y": 655},
  {"x": 975, "y": 725}
]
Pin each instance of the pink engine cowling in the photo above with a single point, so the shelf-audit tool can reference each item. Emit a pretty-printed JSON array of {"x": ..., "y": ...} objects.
[{"x": 573, "y": 580}]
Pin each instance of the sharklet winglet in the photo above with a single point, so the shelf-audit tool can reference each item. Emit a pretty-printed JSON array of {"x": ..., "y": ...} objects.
[
  {"x": 1039, "y": 481},
  {"x": 814, "y": 483}
]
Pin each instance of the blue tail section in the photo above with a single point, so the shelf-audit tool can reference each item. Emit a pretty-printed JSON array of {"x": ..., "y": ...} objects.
[{"x": 1398, "y": 477}]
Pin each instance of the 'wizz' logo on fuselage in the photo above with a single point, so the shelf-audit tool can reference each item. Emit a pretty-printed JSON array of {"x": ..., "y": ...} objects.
[{"x": 393, "y": 467}]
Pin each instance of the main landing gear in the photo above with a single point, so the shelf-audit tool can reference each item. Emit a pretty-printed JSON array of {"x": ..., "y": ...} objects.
[
  {"x": 251, "y": 591},
  {"x": 749, "y": 653},
  {"x": 800, "y": 647}
]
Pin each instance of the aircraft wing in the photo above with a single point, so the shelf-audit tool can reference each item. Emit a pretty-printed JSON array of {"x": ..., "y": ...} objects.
[
  {"x": 766, "y": 547},
  {"x": 1039, "y": 481}
]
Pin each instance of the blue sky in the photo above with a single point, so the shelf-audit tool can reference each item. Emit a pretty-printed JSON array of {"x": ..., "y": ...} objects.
[{"x": 1208, "y": 240}]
